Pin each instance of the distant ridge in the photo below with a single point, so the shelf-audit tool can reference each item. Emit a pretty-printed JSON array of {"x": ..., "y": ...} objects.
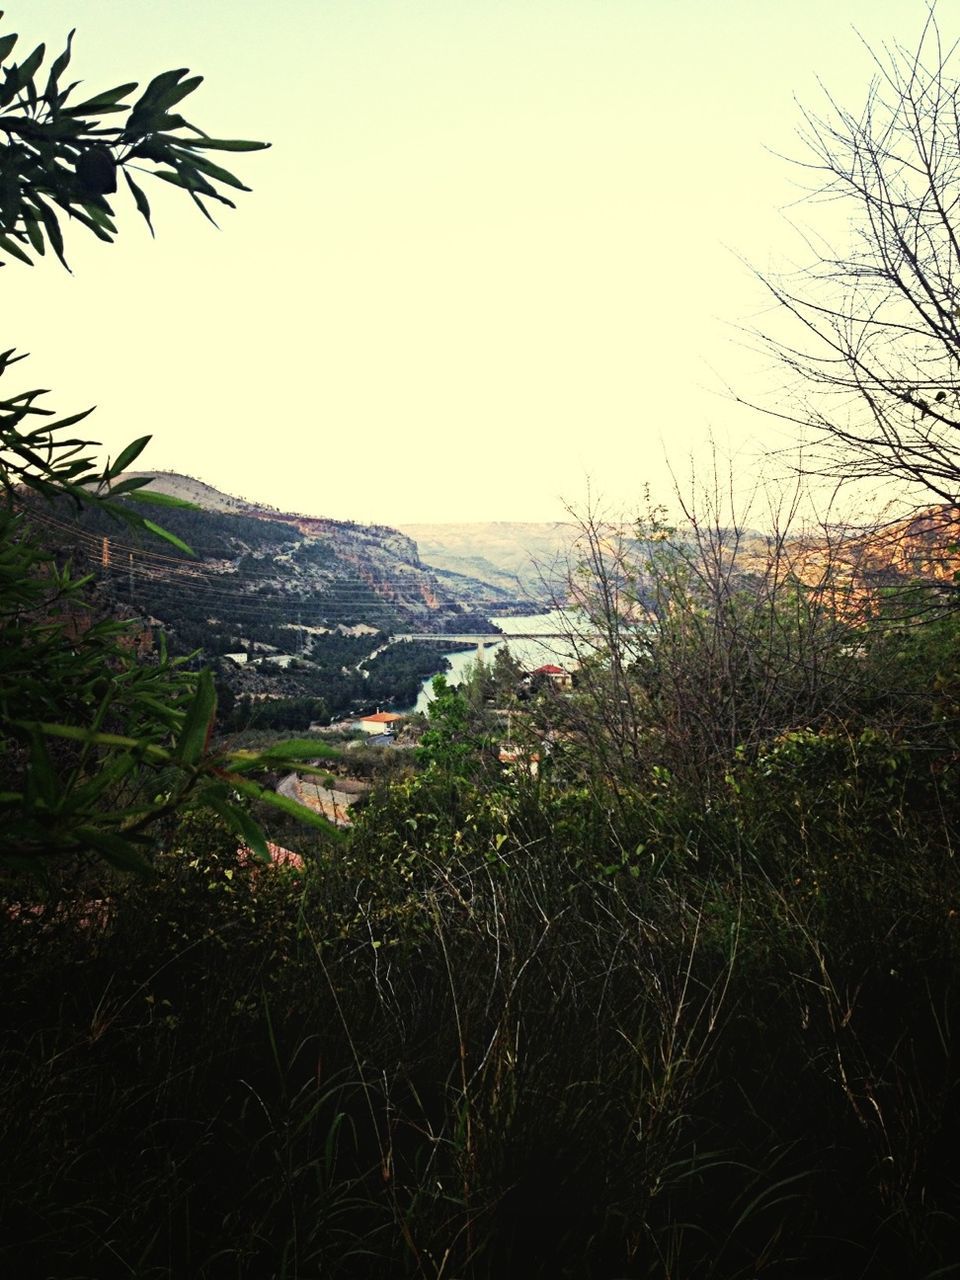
[
  {"x": 530, "y": 558},
  {"x": 386, "y": 557},
  {"x": 509, "y": 559},
  {"x": 202, "y": 495}
]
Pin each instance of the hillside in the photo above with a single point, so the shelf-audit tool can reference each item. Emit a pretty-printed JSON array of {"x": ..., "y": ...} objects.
[
  {"x": 294, "y": 610},
  {"x": 289, "y": 607},
  {"x": 525, "y": 558},
  {"x": 854, "y": 569},
  {"x": 382, "y": 553}
]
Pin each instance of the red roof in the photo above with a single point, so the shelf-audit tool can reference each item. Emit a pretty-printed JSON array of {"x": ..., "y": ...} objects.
[
  {"x": 382, "y": 717},
  {"x": 550, "y": 670},
  {"x": 279, "y": 857}
]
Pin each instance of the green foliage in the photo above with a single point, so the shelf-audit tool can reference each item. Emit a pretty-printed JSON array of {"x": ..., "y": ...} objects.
[
  {"x": 61, "y": 152},
  {"x": 684, "y": 1004},
  {"x": 453, "y": 743},
  {"x": 38, "y": 457},
  {"x": 100, "y": 743},
  {"x": 508, "y": 1033}
]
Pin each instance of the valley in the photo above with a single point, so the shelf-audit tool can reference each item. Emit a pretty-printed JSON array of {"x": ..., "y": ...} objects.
[{"x": 292, "y": 612}]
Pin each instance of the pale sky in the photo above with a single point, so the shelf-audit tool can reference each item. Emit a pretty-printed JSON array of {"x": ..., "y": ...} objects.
[{"x": 491, "y": 254}]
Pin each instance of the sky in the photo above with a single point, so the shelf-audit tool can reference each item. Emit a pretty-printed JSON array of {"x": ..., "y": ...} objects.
[{"x": 499, "y": 255}]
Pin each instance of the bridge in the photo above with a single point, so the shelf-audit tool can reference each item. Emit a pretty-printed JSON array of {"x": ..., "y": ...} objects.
[{"x": 480, "y": 639}]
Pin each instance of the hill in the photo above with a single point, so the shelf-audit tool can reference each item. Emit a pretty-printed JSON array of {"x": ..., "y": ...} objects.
[
  {"x": 525, "y": 558},
  {"x": 289, "y": 608},
  {"x": 856, "y": 569}
]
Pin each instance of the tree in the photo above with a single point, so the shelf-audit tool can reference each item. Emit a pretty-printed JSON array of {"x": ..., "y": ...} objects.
[
  {"x": 97, "y": 746},
  {"x": 453, "y": 743},
  {"x": 702, "y": 644},
  {"x": 877, "y": 325}
]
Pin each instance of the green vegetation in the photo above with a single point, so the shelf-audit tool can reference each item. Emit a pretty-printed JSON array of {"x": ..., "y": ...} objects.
[
  {"x": 270, "y": 601},
  {"x": 64, "y": 155},
  {"x": 564, "y": 1024},
  {"x": 101, "y": 744},
  {"x": 681, "y": 1001}
]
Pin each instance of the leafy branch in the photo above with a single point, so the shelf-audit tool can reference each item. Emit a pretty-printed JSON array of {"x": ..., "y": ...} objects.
[{"x": 61, "y": 153}]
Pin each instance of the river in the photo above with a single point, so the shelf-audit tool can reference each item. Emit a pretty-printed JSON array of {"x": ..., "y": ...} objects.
[{"x": 529, "y": 653}]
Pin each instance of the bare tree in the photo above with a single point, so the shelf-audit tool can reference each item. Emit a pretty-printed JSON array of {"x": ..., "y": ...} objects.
[
  {"x": 875, "y": 338},
  {"x": 708, "y": 640}
]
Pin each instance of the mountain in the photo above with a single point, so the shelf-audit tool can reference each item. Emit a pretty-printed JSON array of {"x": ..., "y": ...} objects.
[
  {"x": 293, "y": 611},
  {"x": 851, "y": 566},
  {"x": 387, "y": 559},
  {"x": 855, "y": 569},
  {"x": 526, "y": 558},
  {"x": 287, "y": 606}
]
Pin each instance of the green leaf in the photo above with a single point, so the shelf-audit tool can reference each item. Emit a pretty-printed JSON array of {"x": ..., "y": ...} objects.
[
  {"x": 6, "y": 45},
  {"x": 191, "y": 181},
  {"x": 165, "y": 500},
  {"x": 176, "y": 93},
  {"x": 114, "y": 849},
  {"x": 62, "y": 423},
  {"x": 127, "y": 455},
  {"x": 31, "y": 226},
  {"x": 107, "y": 99},
  {"x": 11, "y": 247},
  {"x": 59, "y": 66},
  {"x": 100, "y": 214},
  {"x": 42, "y": 783},
  {"x": 88, "y": 222},
  {"x": 239, "y": 821},
  {"x": 165, "y": 534},
  {"x": 198, "y": 722},
  {"x": 143, "y": 204},
  {"x": 162, "y": 92},
  {"x": 160, "y": 84},
  {"x": 212, "y": 170},
  {"x": 204, "y": 210},
  {"x": 10, "y": 198},
  {"x": 298, "y": 811},
  {"x": 222, "y": 144},
  {"x": 27, "y": 69},
  {"x": 128, "y": 485},
  {"x": 83, "y": 796},
  {"x": 53, "y": 229},
  {"x": 78, "y": 734}
]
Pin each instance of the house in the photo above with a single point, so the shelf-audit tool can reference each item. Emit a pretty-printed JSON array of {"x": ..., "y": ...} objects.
[
  {"x": 382, "y": 722},
  {"x": 559, "y": 678}
]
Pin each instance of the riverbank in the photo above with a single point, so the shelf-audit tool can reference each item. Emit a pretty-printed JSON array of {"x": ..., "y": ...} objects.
[{"x": 518, "y": 636}]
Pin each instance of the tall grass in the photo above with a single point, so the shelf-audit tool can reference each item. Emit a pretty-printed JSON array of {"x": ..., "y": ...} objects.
[{"x": 528, "y": 1035}]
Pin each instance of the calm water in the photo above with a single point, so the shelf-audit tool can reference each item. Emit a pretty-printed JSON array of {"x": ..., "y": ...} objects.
[{"x": 529, "y": 653}]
